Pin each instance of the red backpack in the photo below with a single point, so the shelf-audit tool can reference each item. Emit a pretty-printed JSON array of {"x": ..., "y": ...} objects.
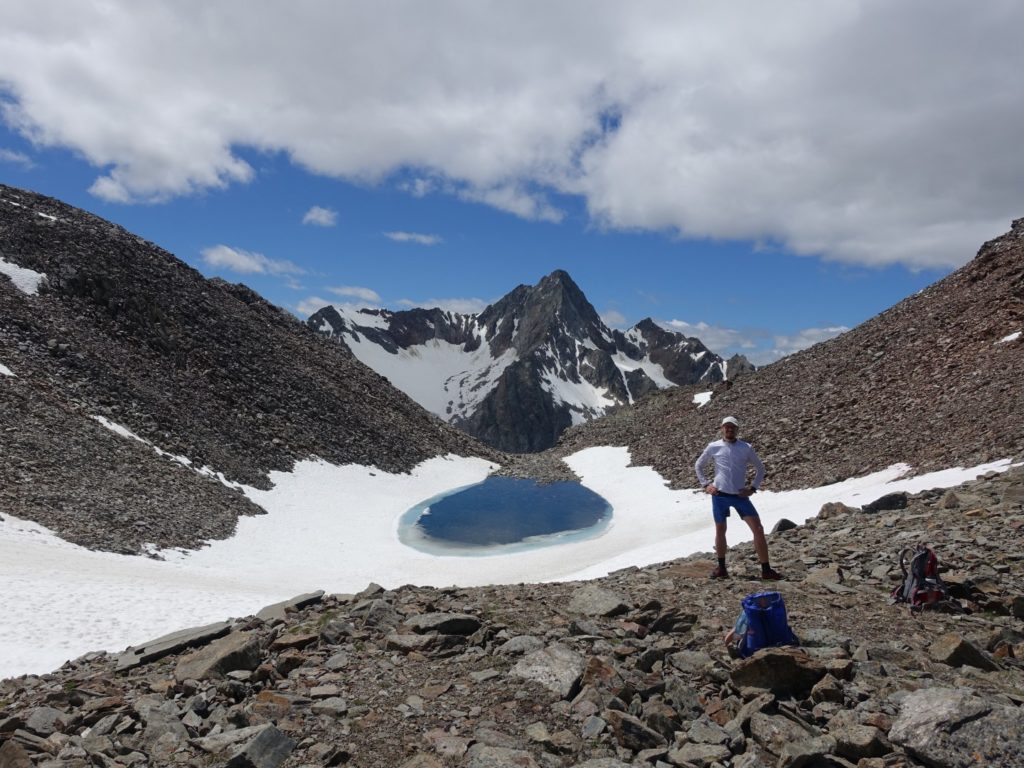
[{"x": 922, "y": 587}]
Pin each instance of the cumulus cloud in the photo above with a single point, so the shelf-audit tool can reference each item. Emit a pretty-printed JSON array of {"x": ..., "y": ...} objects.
[
  {"x": 16, "y": 158},
  {"x": 413, "y": 237},
  {"x": 321, "y": 217},
  {"x": 715, "y": 337},
  {"x": 247, "y": 262},
  {"x": 870, "y": 132},
  {"x": 364, "y": 294}
]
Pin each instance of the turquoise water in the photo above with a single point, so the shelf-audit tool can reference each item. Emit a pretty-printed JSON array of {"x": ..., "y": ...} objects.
[{"x": 504, "y": 514}]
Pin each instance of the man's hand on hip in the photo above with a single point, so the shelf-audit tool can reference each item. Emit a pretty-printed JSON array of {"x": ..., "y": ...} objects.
[{"x": 710, "y": 488}]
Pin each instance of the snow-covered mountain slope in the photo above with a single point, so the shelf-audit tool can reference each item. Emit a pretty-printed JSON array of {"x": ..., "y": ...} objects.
[{"x": 530, "y": 365}]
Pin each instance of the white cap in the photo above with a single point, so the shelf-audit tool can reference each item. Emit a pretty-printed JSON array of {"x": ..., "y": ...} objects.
[{"x": 730, "y": 420}]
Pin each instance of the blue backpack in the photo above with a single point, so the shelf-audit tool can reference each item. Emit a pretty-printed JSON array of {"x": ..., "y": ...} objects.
[{"x": 763, "y": 623}]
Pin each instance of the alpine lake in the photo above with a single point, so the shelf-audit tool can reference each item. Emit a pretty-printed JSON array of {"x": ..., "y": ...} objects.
[{"x": 503, "y": 515}]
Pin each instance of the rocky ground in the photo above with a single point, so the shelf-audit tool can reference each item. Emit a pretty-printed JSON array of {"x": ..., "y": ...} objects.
[{"x": 626, "y": 670}]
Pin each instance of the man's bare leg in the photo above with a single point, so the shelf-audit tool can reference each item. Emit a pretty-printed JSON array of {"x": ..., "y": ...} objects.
[{"x": 760, "y": 542}]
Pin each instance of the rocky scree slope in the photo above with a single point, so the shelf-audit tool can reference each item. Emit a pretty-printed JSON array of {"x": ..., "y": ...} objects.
[
  {"x": 934, "y": 382},
  {"x": 199, "y": 368},
  {"x": 627, "y": 670},
  {"x": 530, "y": 365}
]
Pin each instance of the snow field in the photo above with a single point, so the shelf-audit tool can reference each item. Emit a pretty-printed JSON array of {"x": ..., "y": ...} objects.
[{"x": 336, "y": 528}]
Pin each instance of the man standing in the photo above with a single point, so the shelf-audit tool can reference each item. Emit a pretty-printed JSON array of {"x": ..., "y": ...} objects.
[{"x": 730, "y": 490}]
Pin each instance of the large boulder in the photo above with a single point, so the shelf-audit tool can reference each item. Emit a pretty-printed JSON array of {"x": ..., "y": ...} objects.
[{"x": 951, "y": 727}]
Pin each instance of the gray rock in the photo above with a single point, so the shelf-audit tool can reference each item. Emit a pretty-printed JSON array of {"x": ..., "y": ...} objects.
[
  {"x": 163, "y": 723},
  {"x": 949, "y": 727},
  {"x": 954, "y": 650},
  {"x": 855, "y": 742},
  {"x": 422, "y": 760},
  {"x": 797, "y": 754},
  {"x": 174, "y": 642},
  {"x": 631, "y": 733},
  {"x": 691, "y": 662},
  {"x": 557, "y": 668},
  {"x": 334, "y": 706},
  {"x": 13, "y": 755},
  {"x": 774, "y": 732},
  {"x": 702, "y": 755},
  {"x": 592, "y": 600},
  {"x": 704, "y": 730},
  {"x": 779, "y": 670},
  {"x": 43, "y": 721},
  {"x": 593, "y": 726},
  {"x": 280, "y": 610},
  {"x": 222, "y": 741},
  {"x": 267, "y": 749},
  {"x": 783, "y": 525},
  {"x": 483, "y": 756},
  {"x": 239, "y": 650},
  {"x": 444, "y": 623},
  {"x": 521, "y": 644},
  {"x": 888, "y": 502}
]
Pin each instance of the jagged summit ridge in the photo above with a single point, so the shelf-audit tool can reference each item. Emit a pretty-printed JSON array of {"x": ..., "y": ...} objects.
[{"x": 530, "y": 365}]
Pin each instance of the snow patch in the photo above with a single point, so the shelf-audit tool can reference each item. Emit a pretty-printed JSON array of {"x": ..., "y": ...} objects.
[
  {"x": 702, "y": 398},
  {"x": 25, "y": 280},
  {"x": 653, "y": 370},
  {"x": 583, "y": 398},
  {"x": 1012, "y": 337},
  {"x": 439, "y": 375},
  {"x": 336, "y": 528},
  {"x": 5, "y": 371},
  {"x": 354, "y": 317}
]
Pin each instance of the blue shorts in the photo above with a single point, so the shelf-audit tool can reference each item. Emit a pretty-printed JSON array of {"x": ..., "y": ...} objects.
[{"x": 721, "y": 502}]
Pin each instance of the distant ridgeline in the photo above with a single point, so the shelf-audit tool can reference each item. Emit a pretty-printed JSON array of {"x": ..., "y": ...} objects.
[{"x": 526, "y": 368}]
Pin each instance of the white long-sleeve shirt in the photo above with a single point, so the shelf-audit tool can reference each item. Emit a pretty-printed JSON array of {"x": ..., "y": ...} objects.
[{"x": 731, "y": 462}]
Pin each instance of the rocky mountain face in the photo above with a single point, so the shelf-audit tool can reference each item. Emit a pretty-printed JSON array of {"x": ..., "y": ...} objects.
[
  {"x": 527, "y": 367},
  {"x": 627, "y": 670},
  {"x": 933, "y": 382},
  {"x": 100, "y": 329}
]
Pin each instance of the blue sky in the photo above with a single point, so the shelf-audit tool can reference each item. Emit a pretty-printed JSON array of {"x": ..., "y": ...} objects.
[{"x": 760, "y": 178}]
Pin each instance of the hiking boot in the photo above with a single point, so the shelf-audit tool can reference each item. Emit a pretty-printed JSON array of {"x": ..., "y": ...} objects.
[
  {"x": 720, "y": 573},
  {"x": 771, "y": 575}
]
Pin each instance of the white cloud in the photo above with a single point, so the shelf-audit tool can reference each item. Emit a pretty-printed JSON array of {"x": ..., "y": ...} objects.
[
  {"x": 247, "y": 262},
  {"x": 364, "y": 294},
  {"x": 786, "y": 345},
  {"x": 869, "y": 131},
  {"x": 466, "y": 306},
  {"x": 757, "y": 345},
  {"x": 321, "y": 217},
  {"x": 613, "y": 318},
  {"x": 16, "y": 158},
  {"x": 413, "y": 237},
  {"x": 715, "y": 337},
  {"x": 311, "y": 304}
]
